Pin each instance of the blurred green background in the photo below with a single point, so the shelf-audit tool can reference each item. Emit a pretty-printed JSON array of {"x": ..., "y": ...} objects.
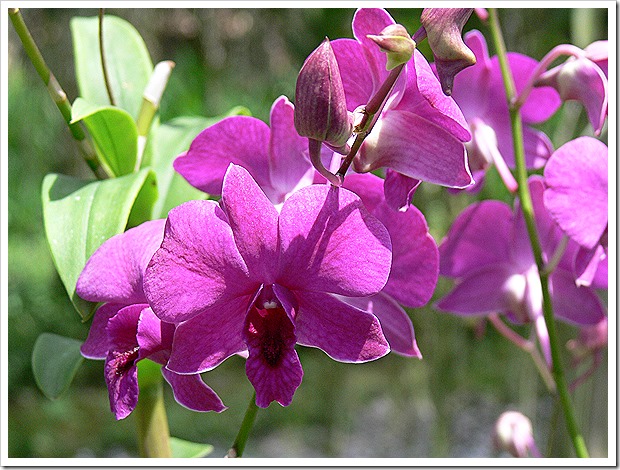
[{"x": 442, "y": 406}]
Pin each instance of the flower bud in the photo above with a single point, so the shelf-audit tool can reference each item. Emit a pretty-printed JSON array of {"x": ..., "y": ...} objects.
[
  {"x": 395, "y": 41},
  {"x": 443, "y": 28},
  {"x": 320, "y": 105},
  {"x": 514, "y": 434}
]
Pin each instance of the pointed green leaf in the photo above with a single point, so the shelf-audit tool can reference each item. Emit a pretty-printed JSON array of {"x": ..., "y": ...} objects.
[
  {"x": 189, "y": 450},
  {"x": 55, "y": 360},
  {"x": 170, "y": 140},
  {"x": 128, "y": 62},
  {"x": 80, "y": 215},
  {"x": 114, "y": 132}
]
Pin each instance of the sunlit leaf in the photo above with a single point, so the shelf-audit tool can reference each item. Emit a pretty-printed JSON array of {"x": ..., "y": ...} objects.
[
  {"x": 170, "y": 140},
  {"x": 127, "y": 59},
  {"x": 114, "y": 132},
  {"x": 187, "y": 450},
  {"x": 55, "y": 360},
  {"x": 80, "y": 215}
]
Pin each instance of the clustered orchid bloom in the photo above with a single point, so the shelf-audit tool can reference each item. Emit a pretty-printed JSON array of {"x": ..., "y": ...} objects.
[
  {"x": 420, "y": 132},
  {"x": 578, "y": 172},
  {"x": 240, "y": 276},
  {"x": 124, "y": 330},
  {"x": 479, "y": 92},
  {"x": 487, "y": 250}
]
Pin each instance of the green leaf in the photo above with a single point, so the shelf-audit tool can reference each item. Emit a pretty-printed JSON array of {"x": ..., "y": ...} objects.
[
  {"x": 55, "y": 360},
  {"x": 128, "y": 62},
  {"x": 189, "y": 450},
  {"x": 80, "y": 215},
  {"x": 114, "y": 132},
  {"x": 171, "y": 139}
]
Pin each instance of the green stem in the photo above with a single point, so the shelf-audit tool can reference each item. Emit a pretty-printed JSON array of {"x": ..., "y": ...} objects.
[
  {"x": 528, "y": 214},
  {"x": 246, "y": 425},
  {"x": 56, "y": 92},
  {"x": 106, "y": 77},
  {"x": 152, "y": 422}
]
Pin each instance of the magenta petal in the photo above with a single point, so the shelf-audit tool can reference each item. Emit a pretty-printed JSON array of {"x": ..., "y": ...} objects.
[
  {"x": 120, "y": 369},
  {"x": 355, "y": 72},
  {"x": 345, "y": 333},
  {"x": 242, "y": 140},
  {"x": 577, "y": 305},
  {"x": 191, "y": 392},
  {"x": 372, "y": 21},
  {"x": 206, "y": 340},
  {"x": 288, "y": 155},
  {"x": 480, "y": 293},
  {"x": 154, "y": 337},
  {"x": 480, "y": 236},
  {"x": 254, "y": 222},
  {"x": 395, "y": 323},
  {"x": 399, "y": 189},
  {"x": 97, "y": 343},
  {"x": 330, "y": 243},
  {"x": 415, "y": 265},
  {"x": 272, "y": 366},
  {"x": 590, "y": 267},
  {"x": 368, "y": 187},
  {"x": 430, "y": 153},
  {"x": 576, "y": 195},
  {"x": 114, "y": 272},
  {"x": 197, "y": 265}
]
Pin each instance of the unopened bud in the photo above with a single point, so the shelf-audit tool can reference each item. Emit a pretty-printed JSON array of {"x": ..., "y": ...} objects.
[
  {"x": 514, "y": 434},
  {"x": 320, "y": 104},
  {"x": 395, "y": 41},
  {"x": 443, "y": 28}
]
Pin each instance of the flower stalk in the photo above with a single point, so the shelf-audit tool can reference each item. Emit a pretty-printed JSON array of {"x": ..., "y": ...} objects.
[
  {"x": 56, "y": 92},
  {"x": 152, "y": 422},
  {"x": 528, "y": 213},
  {"x": 244, "y": 431}
]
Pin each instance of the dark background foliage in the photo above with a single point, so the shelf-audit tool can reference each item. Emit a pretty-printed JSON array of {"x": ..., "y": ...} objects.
[{"x": 442, "y": 406}]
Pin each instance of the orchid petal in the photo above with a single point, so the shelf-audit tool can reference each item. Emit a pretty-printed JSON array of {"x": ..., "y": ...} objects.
[
  {"x": 330, "y": 243},
  {"x": 191, "y": 392},
  {"x": 242, "y": 140},
  {"x": 205, "y": 341},
  {"x": 254, "y": 222},
  {"x": 97, "y": 343},
  {"x": 480, "y": 236},
  {"x": 395, "y": 323},
  {"x": 577, "y": 305},
  {"x": 288, "y": 155},
  {"x": 576, "y": 195},
  {"x": 120, "y": 369},
  {"x": 197, "y": 265},
  {"x": 114, "y": 272},
  {"x": 345, "y": 333},
  {"x": 357, "y": 78},
  {"x": 154, "y": 337},
  {"x": 273, "y": 365},
  {"x": 479, "y": 293},
  {"x": 431, "y": 153},
  {"x": 399, "y": 190}
]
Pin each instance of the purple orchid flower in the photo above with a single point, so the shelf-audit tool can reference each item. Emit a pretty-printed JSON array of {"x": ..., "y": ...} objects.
[
  {"x": 479, "y": 91},
  {"x": 276, "y": 157},
  {"x": 240, "y": 276},
  {"x": 124, "y": 330},
  {"x": 578, "y": 172},
  {"x": 420, "y": 131},
  {"x": 488, "y": 252},
  {"x": 415, "y": 265}
]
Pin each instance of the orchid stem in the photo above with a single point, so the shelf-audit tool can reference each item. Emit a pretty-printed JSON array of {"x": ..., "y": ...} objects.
[
  {"x": 152, "y": 422},
  {"x": 59, "y": 97},
  {"x": 528, "y": 213},
  {"x": 371, "y": 113},
  {"x": 106, "y": 77},
  {"x": 246, "y": 425}
]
